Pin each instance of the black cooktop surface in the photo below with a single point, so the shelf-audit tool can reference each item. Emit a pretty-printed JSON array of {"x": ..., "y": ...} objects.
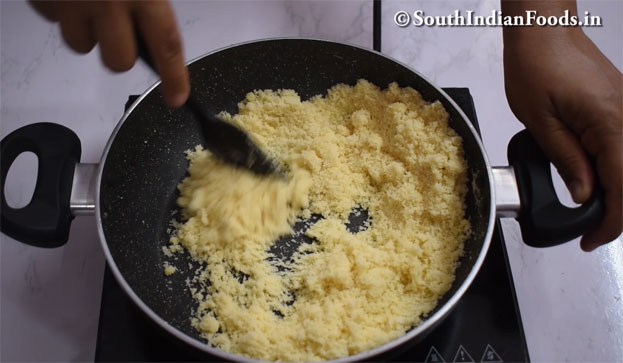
[{"x": 485, "y": 326}]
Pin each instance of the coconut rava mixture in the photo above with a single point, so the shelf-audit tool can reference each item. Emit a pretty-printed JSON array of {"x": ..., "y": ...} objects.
[{"x": 387, "y": 151}]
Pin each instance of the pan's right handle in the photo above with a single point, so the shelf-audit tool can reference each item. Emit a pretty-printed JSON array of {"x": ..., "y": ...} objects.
[
  {"x": 544, "y": 221},
  {"x": 45, "y": 221}
]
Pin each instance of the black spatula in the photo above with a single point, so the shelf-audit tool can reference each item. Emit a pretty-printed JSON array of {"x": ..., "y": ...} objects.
[{"x": 224, "y": 140}]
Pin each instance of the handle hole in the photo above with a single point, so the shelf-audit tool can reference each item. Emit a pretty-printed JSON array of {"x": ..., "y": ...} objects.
[
  {"x": 561, "y": 189},
  {"x": 21, "y": 180}
]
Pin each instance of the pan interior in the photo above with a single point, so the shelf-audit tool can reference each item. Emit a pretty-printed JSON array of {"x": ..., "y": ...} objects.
[{"x": 146, "y": 159}]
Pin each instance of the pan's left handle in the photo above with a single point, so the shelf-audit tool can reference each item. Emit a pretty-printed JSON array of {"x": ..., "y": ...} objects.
[{"x": 45, "y": 221}]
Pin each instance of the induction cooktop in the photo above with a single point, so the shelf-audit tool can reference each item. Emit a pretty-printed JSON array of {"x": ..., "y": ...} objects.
[{"x": 485, "y": 326}]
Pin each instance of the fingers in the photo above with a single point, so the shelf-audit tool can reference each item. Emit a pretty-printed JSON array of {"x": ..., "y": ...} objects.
[
  {"x": 115, "y": 32},
  {"x": 608, "y": 229},
  {"x": 609, "y": 166},
  {"x": 78, "y": 35},
  {"x": 604, "y": 140},
  {"x": 157, "y": 24},
  {"x": 46, "y": 8},
  {"x": 76, "y": 28},
  {"x": 564, "y": 150},
  {"x": 112, "y": 24}
]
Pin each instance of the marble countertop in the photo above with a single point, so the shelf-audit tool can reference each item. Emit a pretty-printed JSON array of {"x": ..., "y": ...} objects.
[{"x": 571, "y": 302}]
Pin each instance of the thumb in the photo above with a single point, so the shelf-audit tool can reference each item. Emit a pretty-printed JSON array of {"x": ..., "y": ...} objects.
[{"x": 564, "y": 150}]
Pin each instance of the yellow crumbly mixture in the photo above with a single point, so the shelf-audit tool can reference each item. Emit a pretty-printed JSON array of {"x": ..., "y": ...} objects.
[
  {"x": 386, "y": 151},
  {"x": 168, "y": 269}
]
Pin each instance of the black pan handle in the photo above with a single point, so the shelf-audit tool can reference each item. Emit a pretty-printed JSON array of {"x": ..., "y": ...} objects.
[
  {"x": 544, "y": 221},
  {"x": 45, "y": 221}
]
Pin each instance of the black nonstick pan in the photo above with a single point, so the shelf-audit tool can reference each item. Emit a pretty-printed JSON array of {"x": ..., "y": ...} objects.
[{"x": 133, "y": 190}]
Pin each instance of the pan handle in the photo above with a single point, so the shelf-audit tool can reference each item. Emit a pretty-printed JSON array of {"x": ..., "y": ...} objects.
[
  {"x": 45, "y": 221},
  {"x": 544, "y": 221}
]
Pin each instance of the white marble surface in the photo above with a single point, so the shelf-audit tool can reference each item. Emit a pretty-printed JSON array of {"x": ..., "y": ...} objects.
[{"x": 571, "y": 302}]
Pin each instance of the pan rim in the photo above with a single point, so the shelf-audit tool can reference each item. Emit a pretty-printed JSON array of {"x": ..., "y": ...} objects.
[{"x": 202, "y": 346}]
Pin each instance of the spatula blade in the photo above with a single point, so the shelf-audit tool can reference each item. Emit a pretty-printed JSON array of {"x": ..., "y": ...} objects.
[{"x": 235, "y": 147}]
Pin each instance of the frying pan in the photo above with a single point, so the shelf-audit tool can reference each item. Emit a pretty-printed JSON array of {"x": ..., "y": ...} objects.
[{"x": 133, "y": 190}]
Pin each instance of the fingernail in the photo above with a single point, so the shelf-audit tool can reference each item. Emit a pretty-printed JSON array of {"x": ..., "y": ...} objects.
[
  {"x": 576, "y": 190},
  {"x": 179, "y": 99}
]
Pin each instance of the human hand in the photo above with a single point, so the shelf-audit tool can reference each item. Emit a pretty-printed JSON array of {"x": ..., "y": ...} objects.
[
  {"x": 569, "y": 96},
  {"x": 112, "y": 25}
]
